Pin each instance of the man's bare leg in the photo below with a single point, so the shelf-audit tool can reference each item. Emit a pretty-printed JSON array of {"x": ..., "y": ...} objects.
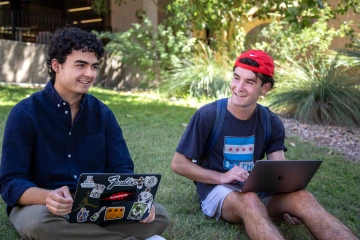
[
  {"x": 247, "y": 208},
  {"x": 303, "y": 205}
]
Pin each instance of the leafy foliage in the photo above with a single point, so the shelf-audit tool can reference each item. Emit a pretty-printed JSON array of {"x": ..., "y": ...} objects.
[
  {"x": 213, "y": 14},
  {"x": 100, "y": 6},
  {"x": 166, "y": 58},
  {"x": 152, "y": 52},
  {"x": 222, "y": 18},
  {"x": 205, "y": 74},
  {"x": 284, "y": 41},
  {"x": 323, "y": 93}
]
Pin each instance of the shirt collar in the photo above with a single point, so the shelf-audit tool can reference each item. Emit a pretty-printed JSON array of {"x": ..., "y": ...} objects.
[{"x": 55, "y": 97}]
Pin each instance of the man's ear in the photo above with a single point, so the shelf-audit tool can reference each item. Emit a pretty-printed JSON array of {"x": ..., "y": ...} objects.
[
  {"x": 55, "y": 65},
  {"x": 265, "y": 88}
]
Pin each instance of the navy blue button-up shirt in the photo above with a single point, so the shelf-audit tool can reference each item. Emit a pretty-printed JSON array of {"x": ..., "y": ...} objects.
[{"x": 42, "y": 148}]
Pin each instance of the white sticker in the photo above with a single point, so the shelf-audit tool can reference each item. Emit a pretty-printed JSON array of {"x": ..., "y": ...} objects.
[
  {"x": 88, "y": 183},
  {"x": 150, "y": 181}
]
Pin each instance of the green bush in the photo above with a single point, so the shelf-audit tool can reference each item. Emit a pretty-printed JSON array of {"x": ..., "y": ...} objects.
[
  {"x": 207, "y": 74},
  {"x": 323, "y": 93},
  {"x": 152, "y": 51},
  {"x": 284, "y": 41}
]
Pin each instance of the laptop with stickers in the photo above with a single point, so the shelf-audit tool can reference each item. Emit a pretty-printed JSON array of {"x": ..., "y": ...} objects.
[
  {"x": 278, "y": 176},
  {"x": 102, "y": 197}
]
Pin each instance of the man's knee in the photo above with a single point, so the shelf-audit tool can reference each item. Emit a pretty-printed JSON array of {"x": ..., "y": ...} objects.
[
  {"x": 241, "y": 205},
  {"x": 303, "y": 199},
  {"x": 31, "y": 221}
]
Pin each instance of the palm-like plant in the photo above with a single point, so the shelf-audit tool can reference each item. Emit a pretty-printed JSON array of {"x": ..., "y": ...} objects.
[
  {"x": 325, "y": 93},
  {"x": 206, "y": 74}
]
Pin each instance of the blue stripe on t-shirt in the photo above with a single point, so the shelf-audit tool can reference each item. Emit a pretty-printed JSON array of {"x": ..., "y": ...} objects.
[{"x": 240, "y": 140}]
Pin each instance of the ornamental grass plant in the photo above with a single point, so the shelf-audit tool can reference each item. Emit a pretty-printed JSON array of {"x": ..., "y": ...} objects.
[
  {"x": 326, "y": 92},
  {"x": 207, "y": 73}
]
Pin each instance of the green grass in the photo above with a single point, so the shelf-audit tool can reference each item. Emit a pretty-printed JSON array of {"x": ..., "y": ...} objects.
[{"x": 152, "y": 128}]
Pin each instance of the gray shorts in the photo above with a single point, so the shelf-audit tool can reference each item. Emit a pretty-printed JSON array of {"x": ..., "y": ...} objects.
[{"x": 212, "y": 204}]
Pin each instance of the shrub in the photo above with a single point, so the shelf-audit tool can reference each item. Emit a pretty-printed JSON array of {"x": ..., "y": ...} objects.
[
  {"x": 207, "y": 74},
  {"x": 325, "y": 93},
  {"x": 284, "y": 41},
  {"x": 152, "y": 52}
]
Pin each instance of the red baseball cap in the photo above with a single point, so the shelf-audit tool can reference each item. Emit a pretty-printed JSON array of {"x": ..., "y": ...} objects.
[{"x": 266, "y": 63}]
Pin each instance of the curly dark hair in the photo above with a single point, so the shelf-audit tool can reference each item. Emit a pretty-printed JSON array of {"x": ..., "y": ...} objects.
[
  {"x": 264, "y": 78},
  {"x": 67, "y": 39}
]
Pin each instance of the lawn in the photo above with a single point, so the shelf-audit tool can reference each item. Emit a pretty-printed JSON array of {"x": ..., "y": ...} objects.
[{"x": 152, "y": 128}]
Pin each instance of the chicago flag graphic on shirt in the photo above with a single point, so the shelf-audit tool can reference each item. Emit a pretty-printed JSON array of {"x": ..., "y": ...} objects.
[{"x": 239, "y": 151}]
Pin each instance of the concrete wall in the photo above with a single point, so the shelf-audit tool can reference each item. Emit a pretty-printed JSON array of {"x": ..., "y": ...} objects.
[
  {"x": 25, "y": 63},
  {"x": 22, "y": 62}
]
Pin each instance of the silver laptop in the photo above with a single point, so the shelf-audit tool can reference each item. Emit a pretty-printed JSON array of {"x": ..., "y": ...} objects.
[{"x": 278, "y": 176}]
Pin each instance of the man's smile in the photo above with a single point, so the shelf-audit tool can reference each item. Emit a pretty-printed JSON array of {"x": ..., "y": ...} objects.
[{"x": 84, "y": 81}]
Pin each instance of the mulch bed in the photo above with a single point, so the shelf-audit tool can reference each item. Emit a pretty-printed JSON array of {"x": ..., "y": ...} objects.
[{"x": 346, "y": 140}]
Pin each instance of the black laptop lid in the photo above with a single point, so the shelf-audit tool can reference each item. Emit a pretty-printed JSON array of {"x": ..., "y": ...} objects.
[{"x": 102, "y": 197}]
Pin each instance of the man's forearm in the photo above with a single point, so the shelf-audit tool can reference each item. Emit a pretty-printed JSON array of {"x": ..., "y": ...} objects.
[
  {"x": 33, "y": 196},
  {"x": 184, "y": 167}
]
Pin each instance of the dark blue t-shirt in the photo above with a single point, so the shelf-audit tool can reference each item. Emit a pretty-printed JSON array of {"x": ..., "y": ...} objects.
[{"x": 241, "y": 142}]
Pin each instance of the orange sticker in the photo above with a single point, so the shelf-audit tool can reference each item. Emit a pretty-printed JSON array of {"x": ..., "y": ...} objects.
[{"x": 114, "y": 213}]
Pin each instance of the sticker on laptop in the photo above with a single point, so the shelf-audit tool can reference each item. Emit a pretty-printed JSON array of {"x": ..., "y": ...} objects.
[
  {"x": 113, "y": 213},
  {"x": 85, "y": 202},
  {"x": 97, "y": 190},
  {"x": 122, "y": 196},
  {"x": 137, "y": 211},
  {"x": 147, "y": 198},
  {"x": 115, "y": 181},
  {"x": 88, "y": 182},
  {"x": 97, "y": 214},
  {"x": 140, "y": 182},
  {"x": 150, "y": 181},
  {"x": 82, "y": 215}
]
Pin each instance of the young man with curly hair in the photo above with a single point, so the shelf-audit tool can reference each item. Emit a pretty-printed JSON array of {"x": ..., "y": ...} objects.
[
  {"x": 241, "y": 142},
  {"x": 58, "y": 133}
]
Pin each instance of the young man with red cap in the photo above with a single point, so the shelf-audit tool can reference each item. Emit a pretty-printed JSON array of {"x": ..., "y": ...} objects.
[{"x": 240, "y": 143}]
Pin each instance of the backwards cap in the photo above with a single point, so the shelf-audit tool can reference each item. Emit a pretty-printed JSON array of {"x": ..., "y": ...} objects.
[{"x": 266, "y": 63}]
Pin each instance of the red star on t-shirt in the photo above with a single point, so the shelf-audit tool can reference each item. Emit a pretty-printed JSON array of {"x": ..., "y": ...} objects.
[{"x": 243, "y": 149}]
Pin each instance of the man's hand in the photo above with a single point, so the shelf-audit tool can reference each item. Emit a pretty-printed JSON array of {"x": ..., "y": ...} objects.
[
  {"x": 59, "y": 201},
  {"x": 235, "y": 174},
  {"x": 151, "y": 216}
]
